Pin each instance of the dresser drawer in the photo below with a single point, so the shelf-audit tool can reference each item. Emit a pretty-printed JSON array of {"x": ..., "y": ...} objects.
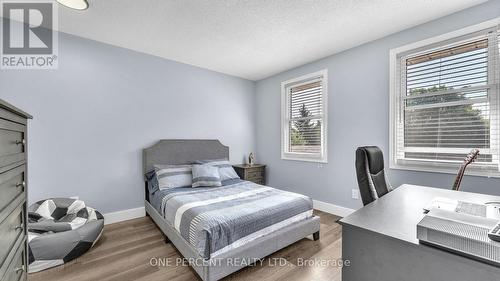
[
  {"x": 11, "y": 229},
  {"x": 260, "y": 181},
  {"x": 11, "y": 116},
  {"x": 254, "y": 174},
  {"x": 12, "y": 142},
  {"x": 12, "y": 183},
  {"x": 16, "y": 270}
]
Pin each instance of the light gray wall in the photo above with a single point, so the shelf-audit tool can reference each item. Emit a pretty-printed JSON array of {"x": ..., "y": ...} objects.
[
  {"x": 104, "y": 104},
  {"x": 358, "y": 114}
]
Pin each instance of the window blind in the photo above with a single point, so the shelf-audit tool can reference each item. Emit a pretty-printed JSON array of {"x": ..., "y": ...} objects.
[
  {"x": 449, "y": 104},
  {"x": 304, "y": 118}
]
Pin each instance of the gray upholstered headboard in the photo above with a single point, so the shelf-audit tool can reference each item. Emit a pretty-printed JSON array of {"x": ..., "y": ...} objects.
[{"x": 178, "y": 152}]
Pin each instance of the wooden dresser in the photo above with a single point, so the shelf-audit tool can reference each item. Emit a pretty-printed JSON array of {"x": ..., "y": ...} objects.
[
  {"x": 13, "y": 192},
  {"x": 255, "y": 173}
]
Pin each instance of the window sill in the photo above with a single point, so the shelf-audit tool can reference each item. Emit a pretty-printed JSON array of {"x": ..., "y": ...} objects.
[
  {"x": 445, "y": 170},
  {"x": 304, "y": 159}
]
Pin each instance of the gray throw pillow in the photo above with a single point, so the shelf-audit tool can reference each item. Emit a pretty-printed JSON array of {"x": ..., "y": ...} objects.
[
  {"x": 226, "y": 170},
  {"x": 172, "y": 176},
  {"x": 152, "y": 181},
  {"x": 206, "y": 175}
]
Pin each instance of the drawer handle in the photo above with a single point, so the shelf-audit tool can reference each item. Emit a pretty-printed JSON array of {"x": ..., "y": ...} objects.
[
  {"x": 23, "y": 184},
  {"x": 19, "y": 227},
  {"x": 23, "y": 142},
  {"x": 17, "y": 269}
]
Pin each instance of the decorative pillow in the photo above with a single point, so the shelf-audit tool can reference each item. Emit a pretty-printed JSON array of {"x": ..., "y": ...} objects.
[
  {"x": 226, "y": 170},
  {"x": 152, "y": 181},
  {"x": 170, "y": 176},
  {"x": 206, "y": 175}
]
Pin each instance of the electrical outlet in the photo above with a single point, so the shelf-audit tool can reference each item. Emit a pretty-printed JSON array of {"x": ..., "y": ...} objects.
[
  {"x": 355, "y": 194},
  {"x": 75, "y": 197}
]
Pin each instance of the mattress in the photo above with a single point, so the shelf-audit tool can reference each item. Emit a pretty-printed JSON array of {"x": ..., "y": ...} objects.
[{"x": 214, "y": 220}]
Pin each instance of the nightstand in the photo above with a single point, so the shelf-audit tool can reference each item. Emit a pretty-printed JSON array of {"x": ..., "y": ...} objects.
[{"x": 255, "y": 173}]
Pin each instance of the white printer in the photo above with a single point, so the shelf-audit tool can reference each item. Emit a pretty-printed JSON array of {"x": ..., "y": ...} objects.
[{"x": 463, "y": 228}]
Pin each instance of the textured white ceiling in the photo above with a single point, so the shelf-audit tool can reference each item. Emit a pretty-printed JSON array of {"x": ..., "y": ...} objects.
[{"x": 252, "y": 39}]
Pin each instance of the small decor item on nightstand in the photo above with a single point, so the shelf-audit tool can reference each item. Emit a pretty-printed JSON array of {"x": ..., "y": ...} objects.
[{"x": 251, "y": 159}]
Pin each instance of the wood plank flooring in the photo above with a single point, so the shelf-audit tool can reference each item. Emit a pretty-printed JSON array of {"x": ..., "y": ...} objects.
[{"x": 125, "y": 250}]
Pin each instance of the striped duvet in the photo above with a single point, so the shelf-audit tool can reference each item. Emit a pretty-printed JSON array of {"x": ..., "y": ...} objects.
[{"x": 217, "y": 219}]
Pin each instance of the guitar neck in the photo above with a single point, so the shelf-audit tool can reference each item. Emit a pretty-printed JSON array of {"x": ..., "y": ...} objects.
[
  {"x": 471, "y": 157},
  {"x": 459, "y": 177}
]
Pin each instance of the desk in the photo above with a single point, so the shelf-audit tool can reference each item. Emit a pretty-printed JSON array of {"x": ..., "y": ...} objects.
[{"x": 380, "y": 241}]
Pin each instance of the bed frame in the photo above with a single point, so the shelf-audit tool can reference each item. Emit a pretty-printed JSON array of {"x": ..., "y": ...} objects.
[{"x": 178, "y": 152}]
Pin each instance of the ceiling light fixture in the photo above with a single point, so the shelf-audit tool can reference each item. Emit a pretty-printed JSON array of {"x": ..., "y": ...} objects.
[{"x": 74, "y": 4}]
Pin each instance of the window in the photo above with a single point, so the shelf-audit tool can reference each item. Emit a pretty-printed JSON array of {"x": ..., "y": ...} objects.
[
  {"x": 445, "y": 102},
  {"x": 304, "y": 122}
]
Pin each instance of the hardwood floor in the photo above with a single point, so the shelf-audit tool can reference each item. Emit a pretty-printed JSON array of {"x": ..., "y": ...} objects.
[{"x": 125, "y": 250}]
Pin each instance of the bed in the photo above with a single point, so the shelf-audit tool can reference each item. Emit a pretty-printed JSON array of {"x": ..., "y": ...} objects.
[{"x": 242, "y": 223}]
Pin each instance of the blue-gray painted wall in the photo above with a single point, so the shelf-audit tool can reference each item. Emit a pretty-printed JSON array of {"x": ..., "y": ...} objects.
[
  {"x": 104, "y": 104},
  {"x": 358, "y": 114}
]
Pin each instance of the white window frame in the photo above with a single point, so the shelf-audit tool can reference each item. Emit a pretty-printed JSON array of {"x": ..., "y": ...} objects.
[
  {"x": 430, "y": 166},
  {"x": 321, "y": 157}
]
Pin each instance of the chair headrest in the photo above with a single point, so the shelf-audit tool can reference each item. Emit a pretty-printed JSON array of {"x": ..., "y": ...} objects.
[{"x": 375, "y": 158}]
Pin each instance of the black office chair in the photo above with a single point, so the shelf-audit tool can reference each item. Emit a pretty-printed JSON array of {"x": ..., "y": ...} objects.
[{"x": 372, "y": 180}]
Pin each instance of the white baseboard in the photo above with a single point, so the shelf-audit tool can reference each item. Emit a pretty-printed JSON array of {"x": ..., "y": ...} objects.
[
  {"x": 124, "y": 215},
  {"x": 332, "y": 209}
]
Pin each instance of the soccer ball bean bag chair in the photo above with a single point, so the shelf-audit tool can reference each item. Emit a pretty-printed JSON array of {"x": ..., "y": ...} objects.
[{"x": 60, "y": 230}]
